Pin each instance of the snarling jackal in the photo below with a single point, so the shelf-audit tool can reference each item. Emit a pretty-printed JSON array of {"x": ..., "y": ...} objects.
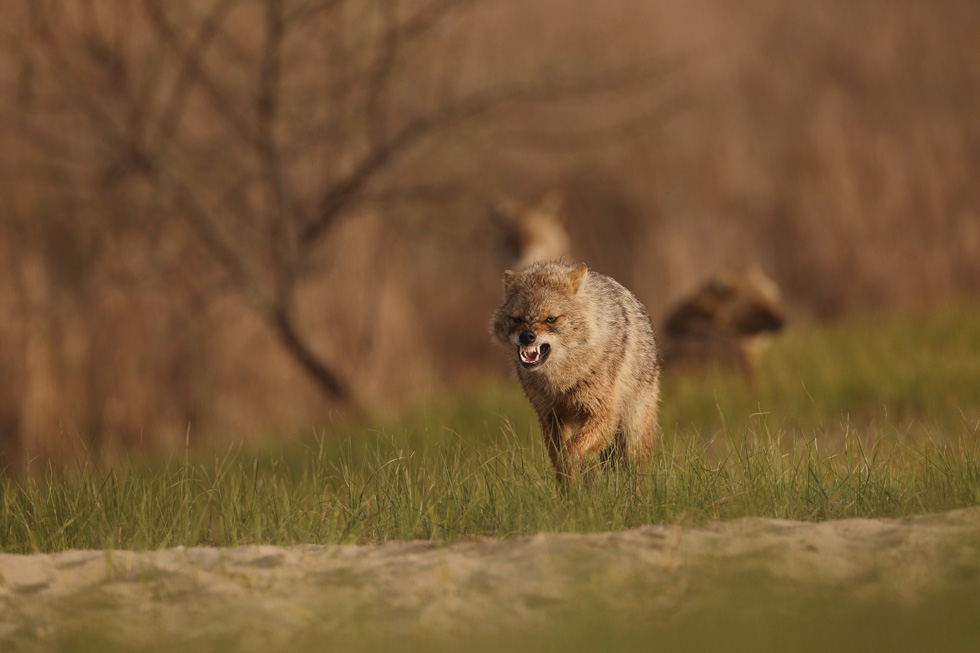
[{"x": 585, "y": 353}]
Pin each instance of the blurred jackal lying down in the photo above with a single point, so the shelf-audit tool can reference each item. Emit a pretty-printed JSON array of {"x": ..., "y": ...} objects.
[
  {"x": 725, "y": 322},
  {"x": 585, "y": 353}
]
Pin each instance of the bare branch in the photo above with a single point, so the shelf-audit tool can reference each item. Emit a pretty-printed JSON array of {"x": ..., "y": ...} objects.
[
  {"x": 393, "y": 35},
  {"x": 90, "y": 105},
  {"x": 190, "y": 62},
  {"x": 309, "y": 10},
  {"x": 450, "y": 115},
  {"x": 142, "y": 160},
  {"x": 195, "y": 71},
  {"x": 378, "y": 82},
  {"x": 270, "y": 66},
  {"x": 276, "y": 311},
  {"x": 267, "y": 113},
  {"x": 40, "y": 140},
  {"x": 41, "y": 174},
  {"x": 203, "y": 223},
  {"x": 420, "y": 194},
  {"x": 610, "y": 134},
  {"x": 430, "y": 16},
  {"x": 335, "y": 386}
]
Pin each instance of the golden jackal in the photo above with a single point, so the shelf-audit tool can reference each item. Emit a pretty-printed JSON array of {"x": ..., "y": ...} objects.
[
  {"x": 725, "y": 322},
  {"x": 585, "y": 353},
  {"x": 529, "y": 235}
]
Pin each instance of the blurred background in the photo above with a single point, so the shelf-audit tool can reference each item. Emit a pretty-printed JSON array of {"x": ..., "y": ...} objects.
[{"x": 233, "y": 217}]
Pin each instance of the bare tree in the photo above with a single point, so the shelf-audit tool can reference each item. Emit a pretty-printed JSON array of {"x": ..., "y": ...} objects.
[{"x": 265, "y": 124}]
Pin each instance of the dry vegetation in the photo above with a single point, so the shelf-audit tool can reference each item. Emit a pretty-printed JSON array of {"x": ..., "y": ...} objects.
[{"x": 243, "y": 216}]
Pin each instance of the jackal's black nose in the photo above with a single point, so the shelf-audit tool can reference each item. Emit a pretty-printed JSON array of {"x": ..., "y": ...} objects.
[{"x": 527, "y": 337}]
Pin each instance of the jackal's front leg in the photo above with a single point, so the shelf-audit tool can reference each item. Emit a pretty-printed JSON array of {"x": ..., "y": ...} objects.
[
  {"x": 554, "y": 433},
  {"x": 592, "y": 438}
]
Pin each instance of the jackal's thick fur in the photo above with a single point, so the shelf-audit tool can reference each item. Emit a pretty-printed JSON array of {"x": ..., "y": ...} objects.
[
  {"x": 585, "y": 353},
  {"x": 726, "y": 322}
]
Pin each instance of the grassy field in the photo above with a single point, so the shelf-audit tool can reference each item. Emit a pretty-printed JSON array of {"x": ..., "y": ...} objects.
[{"x": 865, "y": 418}]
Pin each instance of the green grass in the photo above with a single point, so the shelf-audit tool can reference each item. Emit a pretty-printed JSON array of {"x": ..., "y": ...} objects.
[
  {"x": 451, "y": 489},
  {"x": 865, "y": 418}
]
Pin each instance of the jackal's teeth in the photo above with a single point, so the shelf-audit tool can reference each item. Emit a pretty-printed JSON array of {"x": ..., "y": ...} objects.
[{"x": 529, "y": 354}]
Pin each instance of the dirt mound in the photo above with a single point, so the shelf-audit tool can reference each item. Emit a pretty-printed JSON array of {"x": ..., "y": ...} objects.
[{"x": 255, "y": 597}]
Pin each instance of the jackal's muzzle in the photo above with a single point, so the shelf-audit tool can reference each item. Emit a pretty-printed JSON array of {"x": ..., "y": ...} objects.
[{"x": 533, "y": 355}]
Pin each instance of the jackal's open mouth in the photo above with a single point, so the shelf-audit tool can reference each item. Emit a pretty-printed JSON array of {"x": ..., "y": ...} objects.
[{"x": 533, "y": 355}]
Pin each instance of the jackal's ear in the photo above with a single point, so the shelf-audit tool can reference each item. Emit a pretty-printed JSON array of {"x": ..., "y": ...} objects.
[
  {"x": 577, "y": 276},
  {"x": 508, "y": 281}
]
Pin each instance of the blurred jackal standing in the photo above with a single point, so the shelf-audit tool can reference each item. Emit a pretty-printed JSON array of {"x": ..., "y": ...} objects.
[
  {"x": 529, "y": 234},
  {"x": 725, "y": 322},
  {"x": 587, "y": 358}
]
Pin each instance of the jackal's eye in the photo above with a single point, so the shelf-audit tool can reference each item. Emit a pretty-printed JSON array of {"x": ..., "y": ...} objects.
[
  {"x": 515, "y": 320},
  {"x": 552, "y": 319}
]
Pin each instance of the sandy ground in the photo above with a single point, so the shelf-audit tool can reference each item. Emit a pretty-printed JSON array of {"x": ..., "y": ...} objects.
[{"x": 142, "y": 598}]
